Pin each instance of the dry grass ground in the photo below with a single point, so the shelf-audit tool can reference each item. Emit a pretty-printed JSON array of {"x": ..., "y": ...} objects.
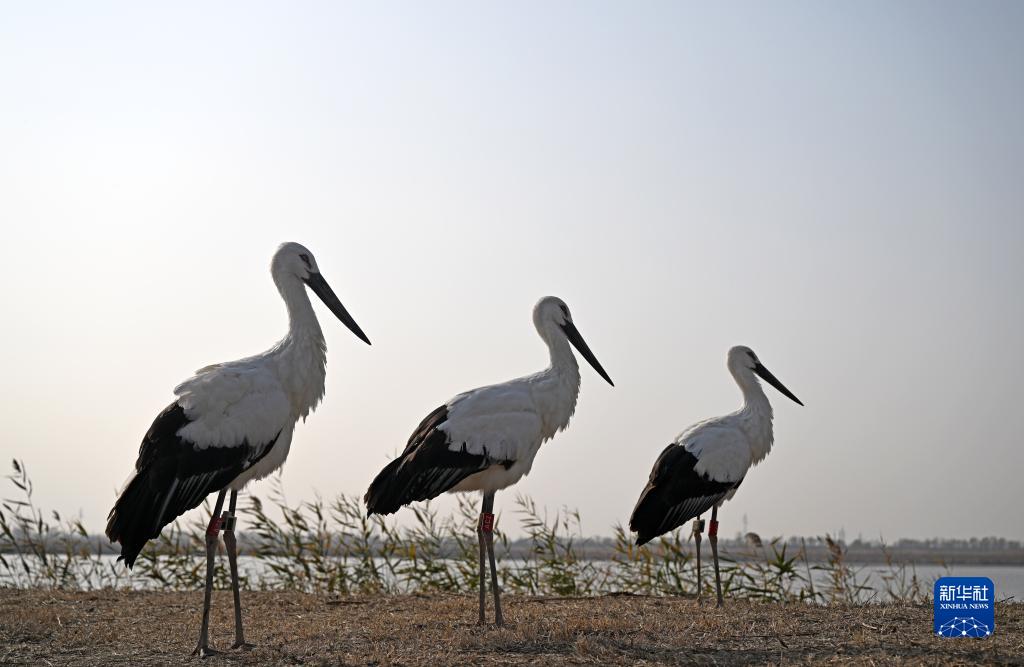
[{"x": 137, "y": 628}]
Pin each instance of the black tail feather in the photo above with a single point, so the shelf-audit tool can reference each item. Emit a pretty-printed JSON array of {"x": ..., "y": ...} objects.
[
  {"x": 387, "y": 492},
  {"x": 647, "y": 517},
  {"x": 132, "y": 522}
]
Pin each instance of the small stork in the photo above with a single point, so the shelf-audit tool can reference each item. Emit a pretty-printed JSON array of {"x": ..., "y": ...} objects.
[
  {"x": 230, "y": 424},
  {"x": 705, "y": 464},
  {"x": 486, "y": 439}
]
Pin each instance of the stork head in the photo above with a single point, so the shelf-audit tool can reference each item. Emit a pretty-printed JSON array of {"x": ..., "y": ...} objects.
[
  {"x": 743, "y": 362},
  {"x": 295, "y": 261},
  {"x": 552, "y": 318}
]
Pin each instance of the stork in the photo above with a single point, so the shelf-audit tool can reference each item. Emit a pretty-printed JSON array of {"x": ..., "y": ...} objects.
[
  {"x": 706, "y": 463},
  {"x": 230, "y": 424},
  {"x": 486, "y": 439}
]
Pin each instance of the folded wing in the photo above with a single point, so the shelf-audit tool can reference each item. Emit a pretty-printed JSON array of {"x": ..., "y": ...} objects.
[{"x": 675, "y": 493}]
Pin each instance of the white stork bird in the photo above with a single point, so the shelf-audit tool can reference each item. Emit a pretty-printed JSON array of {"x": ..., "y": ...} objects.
[
  {"x": 230, "y": 424},
  {"x": 705, "y": 464},
  {"x": 486, "y": 439}
]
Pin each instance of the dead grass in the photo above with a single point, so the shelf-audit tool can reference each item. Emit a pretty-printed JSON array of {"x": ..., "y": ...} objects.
[{"x": 148, "y": 628}]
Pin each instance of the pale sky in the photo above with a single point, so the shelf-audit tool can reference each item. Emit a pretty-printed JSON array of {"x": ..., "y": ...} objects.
[{"x": 837, "y": 185}]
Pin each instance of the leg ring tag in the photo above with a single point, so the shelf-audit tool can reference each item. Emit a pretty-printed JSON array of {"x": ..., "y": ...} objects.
[
  {"x": 487, "y": 522},
  {"x": 213, "y": 530}
]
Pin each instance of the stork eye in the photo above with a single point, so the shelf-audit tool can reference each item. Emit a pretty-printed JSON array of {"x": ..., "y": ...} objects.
[
  {"x": 305, "y": 258},
  {"x": 565, "y": 311}
]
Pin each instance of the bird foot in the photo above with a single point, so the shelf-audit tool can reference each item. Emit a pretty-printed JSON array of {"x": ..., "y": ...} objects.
[
  {"x": 204, "y": 651},
  {"x": 244, "y": 645},
  {"x": 718, "y": 605}
]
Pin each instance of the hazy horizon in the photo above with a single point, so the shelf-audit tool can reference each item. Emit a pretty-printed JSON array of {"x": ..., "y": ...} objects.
[{"x": 835, "y": 185}]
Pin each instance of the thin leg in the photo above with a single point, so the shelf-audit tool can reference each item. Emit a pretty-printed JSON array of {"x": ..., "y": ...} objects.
[
  {"x": 489, "y": 536},
  {"x": 483, "y": 569},
  {"x": 698, "y": 528},
  {"x": 499, "y": 620},
  {"x": 212, "y": 532},
  {"x": 713, "y": 539},
  {"x": 232, "y": 547}
]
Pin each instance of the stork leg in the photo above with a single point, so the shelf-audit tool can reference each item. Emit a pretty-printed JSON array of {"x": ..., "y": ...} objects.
[
  {"x": 483, "y": 568},
  {"x": 698, "y": 528},
  {"x": 203, "y": 649},
  {"x": 488, "y": 528},
  {"x": 232, "y": 548},
  {"x": 713, "y": 539}
]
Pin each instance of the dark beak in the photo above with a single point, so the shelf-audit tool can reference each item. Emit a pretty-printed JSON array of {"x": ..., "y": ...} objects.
[
  {"x": 320, "y": 287},
  {"x": 573, "y": 334},
  {"x": 766, "y": 375}
]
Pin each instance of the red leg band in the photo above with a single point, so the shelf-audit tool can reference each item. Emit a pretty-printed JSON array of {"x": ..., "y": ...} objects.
[
  {"x": 213, "y": 530},
  {"x": 713, "y": 529},
  {"x": 487, "y": 522}
]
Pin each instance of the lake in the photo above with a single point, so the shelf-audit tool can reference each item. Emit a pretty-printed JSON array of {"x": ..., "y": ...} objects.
[{"x": 1008, "y": 579}]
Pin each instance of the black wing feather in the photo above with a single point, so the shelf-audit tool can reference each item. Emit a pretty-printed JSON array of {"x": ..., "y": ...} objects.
[
  {"x": 427, "y": 468},
  {"x": 171, "y": 477},
  {"x": 675, "y": 494}
]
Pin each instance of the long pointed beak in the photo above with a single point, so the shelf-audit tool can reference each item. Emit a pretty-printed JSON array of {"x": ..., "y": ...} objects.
[
  {"x": 766, "y": 375},
  {"x": 320, "y": 287},
  {"x": 573, "y": 334}
]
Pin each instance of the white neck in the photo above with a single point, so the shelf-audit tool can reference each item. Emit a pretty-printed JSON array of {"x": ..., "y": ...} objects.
[
  {"x": 756, "y": 414},
  {"x": 302, "y": 353},
  {"x": 556, "y": 388}
]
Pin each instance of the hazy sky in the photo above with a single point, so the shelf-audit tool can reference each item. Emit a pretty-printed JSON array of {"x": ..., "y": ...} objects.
[{"x": 837, "y": 185}]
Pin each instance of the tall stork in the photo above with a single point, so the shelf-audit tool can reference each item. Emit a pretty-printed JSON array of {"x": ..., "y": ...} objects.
[
  {"x": 486, "y": 439},
  {"x": 230, "y": 424},
  {"x": 706, "y": 463}
]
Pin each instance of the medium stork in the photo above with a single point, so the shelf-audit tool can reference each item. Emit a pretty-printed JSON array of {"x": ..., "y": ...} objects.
[
  {"x": 706, "y": 463},
  {"x": 486, "y": 439},
  {"x": 231, "y": 423}
]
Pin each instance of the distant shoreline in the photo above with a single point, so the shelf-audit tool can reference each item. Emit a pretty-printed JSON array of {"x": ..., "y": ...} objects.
[{"x": 603, "y": 549}]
